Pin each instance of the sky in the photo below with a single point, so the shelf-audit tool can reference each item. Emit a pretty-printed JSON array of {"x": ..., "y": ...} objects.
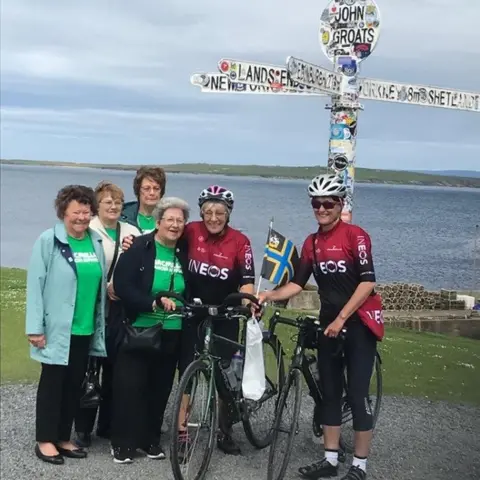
[{"x": 109, "y": 82}]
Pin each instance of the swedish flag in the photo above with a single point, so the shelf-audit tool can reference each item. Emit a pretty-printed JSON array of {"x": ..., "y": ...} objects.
[{"x": 280, "y": 259}]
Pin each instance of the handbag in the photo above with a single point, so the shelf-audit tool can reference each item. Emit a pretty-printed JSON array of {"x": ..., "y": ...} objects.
[
  {"x": 371, "y": 314},
  {"x": 143, "y": 339},
  {"x": 90, "y": 388}
]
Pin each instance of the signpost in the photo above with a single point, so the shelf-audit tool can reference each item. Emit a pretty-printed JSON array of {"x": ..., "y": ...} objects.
[{"x": 348, "y": 32}]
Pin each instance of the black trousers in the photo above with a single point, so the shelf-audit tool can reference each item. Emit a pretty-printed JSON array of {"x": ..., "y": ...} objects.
[
  {"x": 59, "y": 392},
  {"x": 141, "y": 386},
  {"x": 360, "y": 349},
  {"x": 85, "y": 417}
]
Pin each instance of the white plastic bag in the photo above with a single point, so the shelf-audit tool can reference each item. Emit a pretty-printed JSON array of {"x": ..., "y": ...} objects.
[{"x": 253, "y": 382}]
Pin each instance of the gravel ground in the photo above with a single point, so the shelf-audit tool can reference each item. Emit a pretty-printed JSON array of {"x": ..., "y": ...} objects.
[{"x": 415, "y": 439}]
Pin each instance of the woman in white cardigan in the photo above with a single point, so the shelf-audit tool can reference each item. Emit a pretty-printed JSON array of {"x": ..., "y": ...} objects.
[{"x": 110, "y": 199}]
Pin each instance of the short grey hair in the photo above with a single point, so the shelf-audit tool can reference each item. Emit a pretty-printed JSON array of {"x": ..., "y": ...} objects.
[{"x": 171, "y": 202}]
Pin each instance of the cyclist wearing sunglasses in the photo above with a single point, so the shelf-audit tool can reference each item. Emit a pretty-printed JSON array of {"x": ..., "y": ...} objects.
[{"x": 339, "y": 256}]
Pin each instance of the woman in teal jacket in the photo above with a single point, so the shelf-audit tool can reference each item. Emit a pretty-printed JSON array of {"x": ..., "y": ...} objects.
[{"x": 65, "y": 317}]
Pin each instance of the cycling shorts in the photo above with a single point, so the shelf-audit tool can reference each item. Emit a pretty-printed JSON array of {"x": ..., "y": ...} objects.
[{"x": 360, "y": 347}]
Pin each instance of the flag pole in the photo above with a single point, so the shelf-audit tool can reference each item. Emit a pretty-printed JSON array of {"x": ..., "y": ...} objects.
[{"x": 270, "y": 228}]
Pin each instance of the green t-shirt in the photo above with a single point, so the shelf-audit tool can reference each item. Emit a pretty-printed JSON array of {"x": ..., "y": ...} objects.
[
  {"x": 146, "y": 223},
  {"x": 166, "y": 265},
  {"x": 112, "y": 233},
  {"x": 89, "y": 276}
]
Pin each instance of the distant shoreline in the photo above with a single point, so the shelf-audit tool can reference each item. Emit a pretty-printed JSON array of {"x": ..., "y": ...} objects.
[{"x": 362, "y": 175}]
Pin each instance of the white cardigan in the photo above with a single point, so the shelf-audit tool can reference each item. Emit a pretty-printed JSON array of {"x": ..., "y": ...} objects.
[{"x": 108, "y": 243}]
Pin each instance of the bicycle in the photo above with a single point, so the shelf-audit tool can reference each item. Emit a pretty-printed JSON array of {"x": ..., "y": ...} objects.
[
  {"x": 308, "y": 329},
  {"x": 206, "y": 370}
]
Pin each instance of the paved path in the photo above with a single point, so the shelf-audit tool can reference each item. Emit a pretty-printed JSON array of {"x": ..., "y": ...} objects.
[{"x": 415, "y": 440}]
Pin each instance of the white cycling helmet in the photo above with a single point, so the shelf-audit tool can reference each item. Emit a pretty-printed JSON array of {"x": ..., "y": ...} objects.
[
  {"x": 217, "y": 194},
  {"x": 327, "y": 185}
]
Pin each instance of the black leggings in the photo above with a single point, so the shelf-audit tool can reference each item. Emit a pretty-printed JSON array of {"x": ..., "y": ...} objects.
[{"x": 360, "y": 348}]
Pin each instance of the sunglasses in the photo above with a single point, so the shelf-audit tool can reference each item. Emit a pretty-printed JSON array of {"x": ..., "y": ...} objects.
[{"x": 327, "y": 204}]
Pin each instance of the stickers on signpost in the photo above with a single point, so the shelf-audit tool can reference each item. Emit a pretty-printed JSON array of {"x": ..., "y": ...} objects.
[
  {"x": 338, "y": 163},
  {"x": 349, "y": 28},
  {"x": 340, "y": 131},
  {"x": 200, "y": 79}
]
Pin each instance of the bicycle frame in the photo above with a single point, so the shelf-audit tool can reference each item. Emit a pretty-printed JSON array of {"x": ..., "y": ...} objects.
[{"x": 299, "y": 359}]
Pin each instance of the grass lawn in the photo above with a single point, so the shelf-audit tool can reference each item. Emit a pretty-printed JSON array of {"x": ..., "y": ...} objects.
[{"x": 432, "y": 366}]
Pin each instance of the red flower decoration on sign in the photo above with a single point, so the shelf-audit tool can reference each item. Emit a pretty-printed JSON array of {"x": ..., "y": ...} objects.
[{"x": 224, "y": 66}]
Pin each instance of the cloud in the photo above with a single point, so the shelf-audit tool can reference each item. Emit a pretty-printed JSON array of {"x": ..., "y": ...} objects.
[{"x": 88, "y": 72}]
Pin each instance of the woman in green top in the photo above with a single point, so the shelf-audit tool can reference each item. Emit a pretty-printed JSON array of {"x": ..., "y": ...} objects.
[
  {"x": 142, "y": 381},
  {"x": 65, "y": 317},
  {"x": 149, "y": 187},
  {"x": 110, "y": 200}
]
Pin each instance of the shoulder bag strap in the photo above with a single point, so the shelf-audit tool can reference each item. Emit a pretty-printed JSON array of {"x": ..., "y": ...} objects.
[{"x": 115, "y": 255}]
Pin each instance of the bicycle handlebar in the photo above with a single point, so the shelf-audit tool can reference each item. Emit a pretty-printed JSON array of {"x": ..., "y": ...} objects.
[
  {"x": 300, "y": 322},
  {"x": 229, "y": 305}
]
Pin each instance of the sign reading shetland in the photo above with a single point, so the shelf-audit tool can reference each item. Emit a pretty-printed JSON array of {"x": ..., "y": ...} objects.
[
  {"x": 349, "y": 27},
  {"x": 419, "y": 95}
]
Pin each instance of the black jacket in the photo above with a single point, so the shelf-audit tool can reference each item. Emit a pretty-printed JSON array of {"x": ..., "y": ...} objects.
[{"x": 133, "y": 278}]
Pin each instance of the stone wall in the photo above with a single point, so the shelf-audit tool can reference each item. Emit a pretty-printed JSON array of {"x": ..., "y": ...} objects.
[
  {"x": 395, "y": 296},
  {"x": 459, "y": 323}
]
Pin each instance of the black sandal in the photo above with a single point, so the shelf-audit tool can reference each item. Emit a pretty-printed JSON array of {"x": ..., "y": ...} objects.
[{"x": 321, "y": 469}]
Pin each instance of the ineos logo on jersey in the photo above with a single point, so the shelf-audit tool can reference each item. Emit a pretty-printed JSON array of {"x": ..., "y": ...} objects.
[
  {"x": 362, "y": 250},
  {"x": 207, "y": 270},
  {"x": 333, "y": 267},
  {"x": 248, "y": 257}
]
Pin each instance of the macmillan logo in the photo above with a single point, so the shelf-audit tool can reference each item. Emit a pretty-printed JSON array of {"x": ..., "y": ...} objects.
[{"x": 85, "y": 257}]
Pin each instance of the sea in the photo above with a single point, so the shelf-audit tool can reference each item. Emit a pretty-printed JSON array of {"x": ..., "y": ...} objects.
[{"x": 426, "y": 235}]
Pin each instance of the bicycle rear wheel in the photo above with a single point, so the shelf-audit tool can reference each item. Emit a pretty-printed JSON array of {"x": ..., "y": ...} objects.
[
  {"x": 285, "y": 426},
  {"x": 196, "y": 388},
  {"x": 259, "y": 416},
  {"x": 374, "y": 401}
]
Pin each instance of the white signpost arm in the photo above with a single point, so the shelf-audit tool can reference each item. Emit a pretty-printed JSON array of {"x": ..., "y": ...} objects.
[
  {"x": 219, "y": 83},
  {"x": 276, "y": 77},
  {"x": 424, "y": 95}
]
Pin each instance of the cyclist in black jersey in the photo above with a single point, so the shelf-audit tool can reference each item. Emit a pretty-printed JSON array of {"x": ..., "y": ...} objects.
[{"x": 339, "y": 257}]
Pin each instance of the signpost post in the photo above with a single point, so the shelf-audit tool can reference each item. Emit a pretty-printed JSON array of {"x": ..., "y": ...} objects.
[{"x": 349, "y": 31}]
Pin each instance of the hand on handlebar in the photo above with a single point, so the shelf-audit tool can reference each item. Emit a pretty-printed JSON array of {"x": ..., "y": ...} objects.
[
  {"x": 334, "y": 328},
  {"x": 256, "y": 310},
  {"x": 167, "y": 304}
]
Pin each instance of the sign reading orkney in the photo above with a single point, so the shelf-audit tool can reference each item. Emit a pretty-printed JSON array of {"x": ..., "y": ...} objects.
[{"x": 349, "y": 27}]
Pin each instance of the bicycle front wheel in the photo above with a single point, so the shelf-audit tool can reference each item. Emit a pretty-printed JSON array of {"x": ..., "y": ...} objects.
[
  {"x": 195, "y": 415},
  {"x": 285, "y": 426},
  {"x": 259, "y": 416}
]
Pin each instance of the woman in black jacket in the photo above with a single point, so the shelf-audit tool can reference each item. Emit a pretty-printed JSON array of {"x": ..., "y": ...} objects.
[{"x": 143, "y": 380}]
